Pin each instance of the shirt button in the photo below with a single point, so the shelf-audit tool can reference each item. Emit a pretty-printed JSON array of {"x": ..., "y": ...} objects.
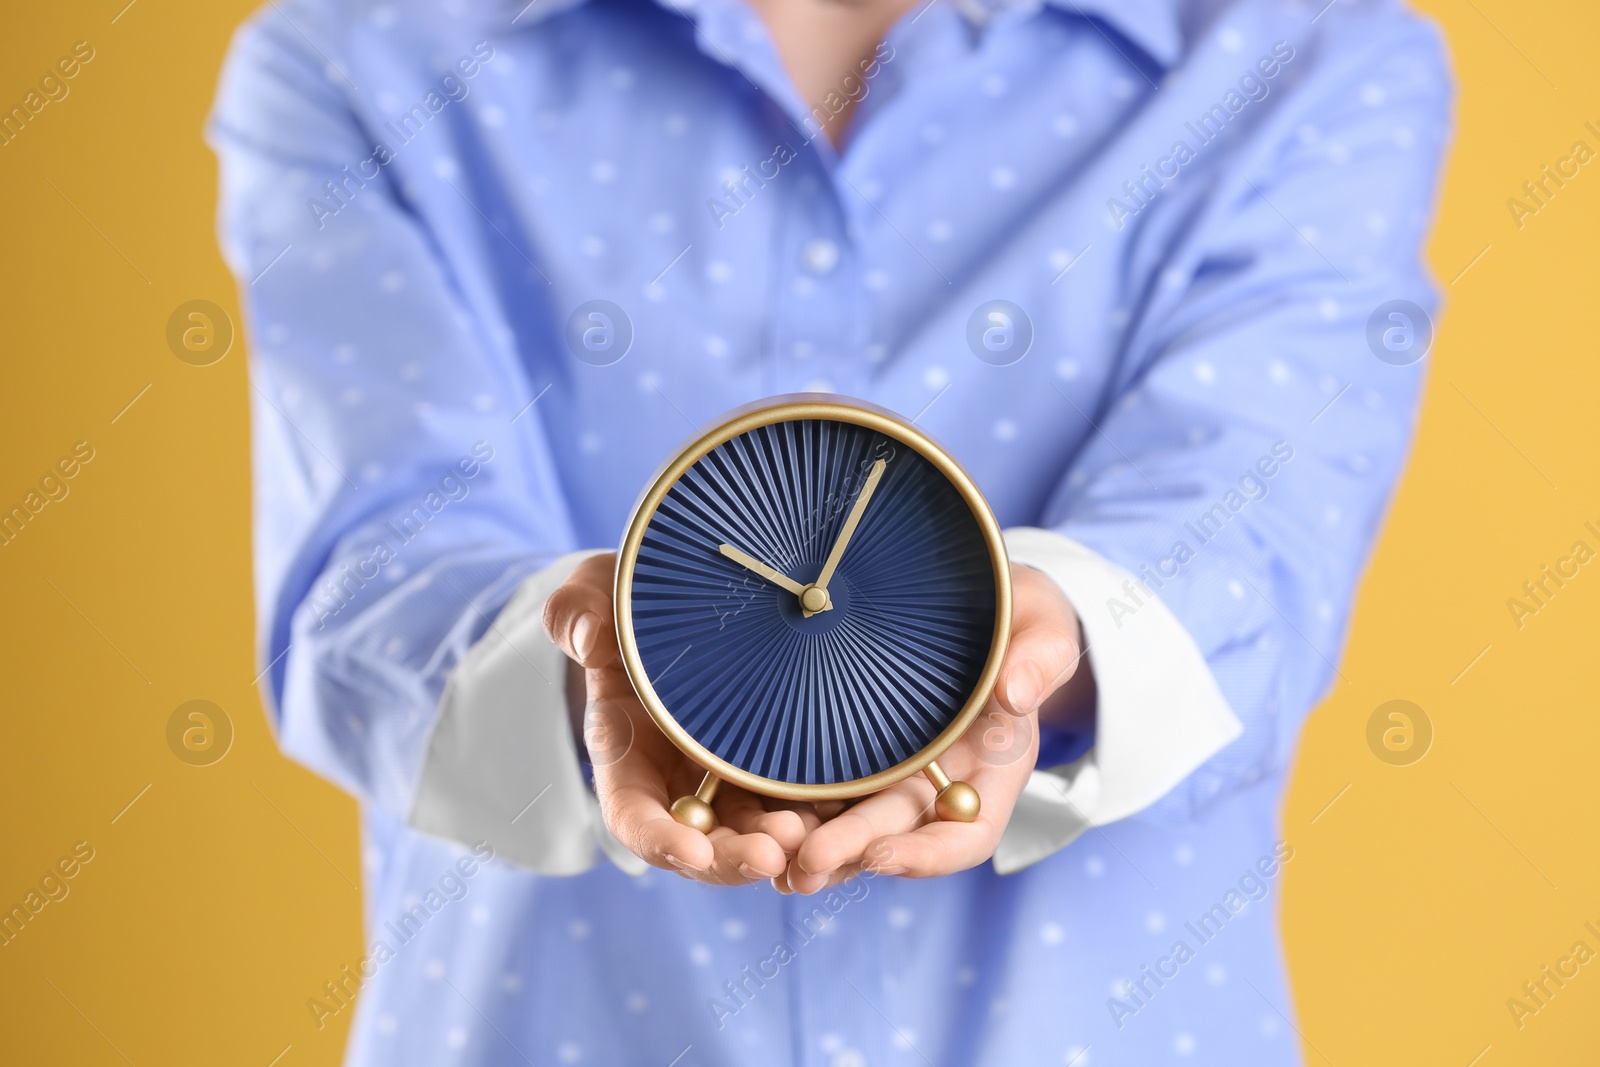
[{"x": 819, "y": 256}]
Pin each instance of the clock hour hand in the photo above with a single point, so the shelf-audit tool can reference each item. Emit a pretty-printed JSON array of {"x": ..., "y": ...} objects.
[
  {"x": 744, "y": 559},
  {"x": 850, "y": 523}
]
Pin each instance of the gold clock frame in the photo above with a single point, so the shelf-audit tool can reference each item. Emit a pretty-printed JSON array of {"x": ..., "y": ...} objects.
[{"x": 956, "y": 800}]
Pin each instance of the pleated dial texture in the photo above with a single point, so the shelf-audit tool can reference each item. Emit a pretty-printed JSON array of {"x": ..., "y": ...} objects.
[{"x": 851, "y": 691}]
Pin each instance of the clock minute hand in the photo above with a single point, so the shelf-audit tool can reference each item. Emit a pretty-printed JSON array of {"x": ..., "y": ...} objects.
[
  {"x": 744, "y": 559},
  {"x": 851, "y": 521}
]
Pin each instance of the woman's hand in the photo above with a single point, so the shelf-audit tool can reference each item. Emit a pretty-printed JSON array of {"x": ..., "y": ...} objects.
[
  {"x": 638, "y": 772},
  {"x": 895, "y": 831}
]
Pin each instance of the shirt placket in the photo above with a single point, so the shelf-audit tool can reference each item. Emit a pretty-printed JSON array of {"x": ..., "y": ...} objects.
[
  {"x": 837, "y": 938},
  {"x": 817, "y": 314},
  {"x": 816, "y": 334}
]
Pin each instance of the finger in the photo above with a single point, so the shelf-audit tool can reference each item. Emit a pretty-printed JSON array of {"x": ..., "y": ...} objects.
[
  {"x": 843, "y": 874},
  {"x": 743, "y": 858},
  {"x": 634, "y": 792},
  {"x": 936, "y": 849},
  {"x": 828, "y": 809},
  {"x": 839, "y": 874},
  {"x": 578, "y": 615},
  {"x": 636, "y": 811},
  {"x": 1045, "y": 648},
  {"x": 634, "y": 796},
  {"x": 746, "y": 813},
  {"x": 787, "y": 828},
  {"x": 790, "y": 826},
  {"x": 844, "y": 839},
  {"x": 928, "y": 846}
]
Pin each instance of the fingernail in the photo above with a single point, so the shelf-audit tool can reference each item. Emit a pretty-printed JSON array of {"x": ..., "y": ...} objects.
[
  {"x": 1024, "y": 686},
  {"x": 682, "y": 866},
  {"x": 751, "y": 873},
  {"x": 893, "y": 868},
  {"x": 584, "y": 633}
]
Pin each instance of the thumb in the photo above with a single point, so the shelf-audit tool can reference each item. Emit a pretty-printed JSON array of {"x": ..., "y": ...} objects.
[
  {"x": 1045, "y": 651},
  {"x": 578, "y": 615}
]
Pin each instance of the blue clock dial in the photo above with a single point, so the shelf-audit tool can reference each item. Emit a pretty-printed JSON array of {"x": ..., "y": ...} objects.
[{"x": 841, "y": 684}]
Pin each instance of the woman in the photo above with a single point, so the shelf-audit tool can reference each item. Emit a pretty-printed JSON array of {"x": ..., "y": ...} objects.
[{"x": 1131, "y": 263}]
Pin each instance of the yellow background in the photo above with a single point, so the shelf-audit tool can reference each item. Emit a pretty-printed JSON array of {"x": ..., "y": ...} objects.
[{"x": 1419, "y": 901}]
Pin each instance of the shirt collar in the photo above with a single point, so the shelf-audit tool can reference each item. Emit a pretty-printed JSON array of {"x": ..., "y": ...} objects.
[{"x": 1152, "y": 25}]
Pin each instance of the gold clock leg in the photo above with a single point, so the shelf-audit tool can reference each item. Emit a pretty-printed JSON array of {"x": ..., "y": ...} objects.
[
  {"x": 694, "y": 811},
  {"x": 957, "y": 801}
]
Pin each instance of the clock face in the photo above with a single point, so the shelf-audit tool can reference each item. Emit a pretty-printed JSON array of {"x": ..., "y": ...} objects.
[{"x": 814, "y": 600}]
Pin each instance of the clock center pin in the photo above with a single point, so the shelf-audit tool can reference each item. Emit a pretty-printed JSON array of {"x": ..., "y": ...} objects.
[{"x": 814, "y": 599}]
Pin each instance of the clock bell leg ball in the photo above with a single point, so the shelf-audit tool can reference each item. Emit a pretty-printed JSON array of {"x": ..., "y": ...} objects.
[
  {"x": 694, "y": 813},
  {"x": 957, "y": 802}
]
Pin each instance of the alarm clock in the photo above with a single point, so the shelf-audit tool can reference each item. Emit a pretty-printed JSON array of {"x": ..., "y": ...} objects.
[{"x": 813, "y": 601}]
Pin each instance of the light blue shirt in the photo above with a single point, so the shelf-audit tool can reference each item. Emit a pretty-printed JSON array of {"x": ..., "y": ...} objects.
[{"x": 1190, "y": 211}]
